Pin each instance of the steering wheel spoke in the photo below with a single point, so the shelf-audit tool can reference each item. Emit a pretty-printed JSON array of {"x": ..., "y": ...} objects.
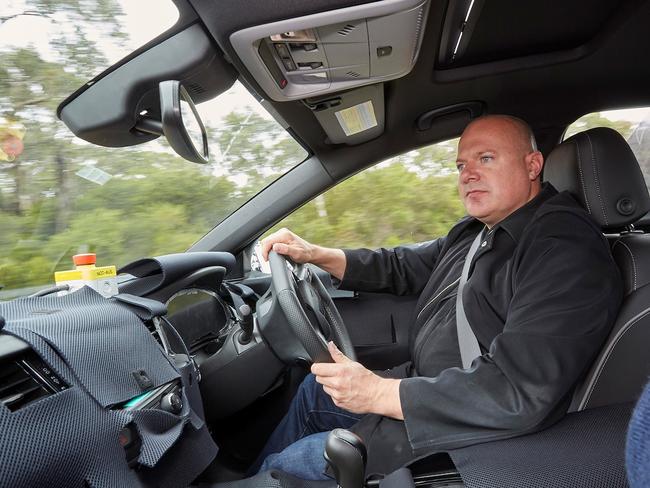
[{"x": 309, "y": 309}]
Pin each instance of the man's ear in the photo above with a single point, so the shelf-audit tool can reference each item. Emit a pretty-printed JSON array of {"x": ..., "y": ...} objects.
[{"x": 534, "y": 163}]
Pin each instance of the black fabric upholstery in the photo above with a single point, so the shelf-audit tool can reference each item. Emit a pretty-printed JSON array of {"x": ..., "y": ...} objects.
[
  {"x": 583, "y": 450},
  {"x": 598, "y": 168},
  {"x": 69, "y": 439},
  {"x": 272, "y": 479}
]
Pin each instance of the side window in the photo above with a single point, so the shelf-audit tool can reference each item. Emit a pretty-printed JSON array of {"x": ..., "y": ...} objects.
[
  {"x": 409, "y": 198},
  {"x": 632, "y": 124}
]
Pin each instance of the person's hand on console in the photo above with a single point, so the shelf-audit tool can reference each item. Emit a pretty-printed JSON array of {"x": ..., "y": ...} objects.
[{"x": 357, "y": 389}]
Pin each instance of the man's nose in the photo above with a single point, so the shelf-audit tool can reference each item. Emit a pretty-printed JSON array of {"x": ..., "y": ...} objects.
[{"x": 468, "y": 174}]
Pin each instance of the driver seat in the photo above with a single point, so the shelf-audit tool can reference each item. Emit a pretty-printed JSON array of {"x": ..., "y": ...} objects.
[{"x": 600, "y": 170}]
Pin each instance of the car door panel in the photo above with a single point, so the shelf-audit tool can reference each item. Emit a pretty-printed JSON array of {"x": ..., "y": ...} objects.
[{"x": 378, "y": 323}]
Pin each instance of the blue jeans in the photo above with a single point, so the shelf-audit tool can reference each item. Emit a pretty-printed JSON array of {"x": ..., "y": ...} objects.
[{"x": 298, "y": 442}]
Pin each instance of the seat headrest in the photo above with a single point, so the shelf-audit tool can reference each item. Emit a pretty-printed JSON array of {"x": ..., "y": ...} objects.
[{"x": 598, "y": 168}]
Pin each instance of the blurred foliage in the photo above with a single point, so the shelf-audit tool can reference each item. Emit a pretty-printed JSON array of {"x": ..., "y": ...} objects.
[
  {"x": 151, "y": 202},
  {"x": 146, "y": 201},
  {"x": 409, "y": 198},
  {"x": 597, "y": 120}
]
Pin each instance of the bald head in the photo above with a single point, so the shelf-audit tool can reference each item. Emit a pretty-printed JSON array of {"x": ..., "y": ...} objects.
[
  {"x": 517, "y": 129},
  {"x": 499, "y": 167}
]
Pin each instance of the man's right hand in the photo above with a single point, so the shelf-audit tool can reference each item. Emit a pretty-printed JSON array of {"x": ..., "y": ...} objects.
[
  {"x": 299, "y": 250},
  {"x": 288, "y": 244}
]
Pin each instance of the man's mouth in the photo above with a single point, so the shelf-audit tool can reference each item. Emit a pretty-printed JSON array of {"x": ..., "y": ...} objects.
[{"x": 474, "y": 192}]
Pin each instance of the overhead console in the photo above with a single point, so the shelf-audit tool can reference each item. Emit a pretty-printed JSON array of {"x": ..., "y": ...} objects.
[{"x": 335, "y": 50}]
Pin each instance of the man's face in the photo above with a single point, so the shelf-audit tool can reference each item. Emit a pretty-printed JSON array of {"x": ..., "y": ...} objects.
[{"x": 497, "y": 170}]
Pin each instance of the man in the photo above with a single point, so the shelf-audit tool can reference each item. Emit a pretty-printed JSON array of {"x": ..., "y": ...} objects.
[{"x": 541, "y": 296}]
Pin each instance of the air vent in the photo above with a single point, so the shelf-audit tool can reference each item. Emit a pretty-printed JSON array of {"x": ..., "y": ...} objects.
[
  {"x": 353, "y": 74},
  {"x": 153, "y": 330},
  {"x": 194, "y": 88},
  {"x": 346, "y": 30},
  {"x": 26, "y": 379}
]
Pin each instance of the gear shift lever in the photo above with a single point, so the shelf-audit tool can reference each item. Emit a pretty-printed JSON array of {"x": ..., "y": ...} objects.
[
  {"x": 246, "y": 324},
  {"x": 346, "y": 454}
]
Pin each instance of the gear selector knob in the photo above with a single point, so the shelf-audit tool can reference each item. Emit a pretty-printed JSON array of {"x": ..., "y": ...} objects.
[{"x": 346, "y": 454}]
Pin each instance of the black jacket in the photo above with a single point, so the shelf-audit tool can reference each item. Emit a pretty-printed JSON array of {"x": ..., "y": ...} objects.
[{"x": 542, "y": 295}]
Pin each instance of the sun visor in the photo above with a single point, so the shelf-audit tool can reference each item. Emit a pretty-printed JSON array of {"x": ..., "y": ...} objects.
[
  {"x": 105, "y": 111},
  {"x": 352, "y": 117}
]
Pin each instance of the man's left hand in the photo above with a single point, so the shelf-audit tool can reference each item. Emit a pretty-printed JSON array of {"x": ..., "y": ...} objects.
[{"x": 357, "y": 389}]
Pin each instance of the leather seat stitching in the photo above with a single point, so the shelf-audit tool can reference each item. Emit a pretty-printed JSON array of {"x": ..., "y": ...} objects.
[
  {"x": 633, "y": 262},
  {"x": 601, "y": 366},
  {"x": 582, "y": 178},
  {"x": 596, "y": 177}
]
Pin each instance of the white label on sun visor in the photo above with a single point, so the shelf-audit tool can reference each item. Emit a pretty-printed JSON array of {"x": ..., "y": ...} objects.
[{"x": 357, "y": 118}]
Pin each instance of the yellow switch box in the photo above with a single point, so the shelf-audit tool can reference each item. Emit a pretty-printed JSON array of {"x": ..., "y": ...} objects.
[{"x": 103, "y": 279}]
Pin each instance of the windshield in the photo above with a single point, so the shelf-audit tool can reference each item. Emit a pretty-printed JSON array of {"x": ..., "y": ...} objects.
[{"x": 60, "y": 196}]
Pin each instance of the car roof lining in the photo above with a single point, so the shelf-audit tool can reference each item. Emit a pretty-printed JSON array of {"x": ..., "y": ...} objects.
[
  {"x": 548, "y": 89},
  {"x": 545, "y": 88}
]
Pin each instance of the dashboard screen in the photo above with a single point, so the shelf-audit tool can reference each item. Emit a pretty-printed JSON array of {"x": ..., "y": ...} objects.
[{"x": 198, "y": 316}]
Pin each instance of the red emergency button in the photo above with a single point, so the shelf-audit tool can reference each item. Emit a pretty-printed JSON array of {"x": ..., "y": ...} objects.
[{"x": 84, "y": 259}]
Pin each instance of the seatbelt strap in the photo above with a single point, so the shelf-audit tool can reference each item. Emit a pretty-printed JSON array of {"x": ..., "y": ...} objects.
[{"x": 469, "y": 348}]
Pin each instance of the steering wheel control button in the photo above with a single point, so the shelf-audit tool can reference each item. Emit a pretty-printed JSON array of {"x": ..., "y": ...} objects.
[{"x": 172, "y": 403}]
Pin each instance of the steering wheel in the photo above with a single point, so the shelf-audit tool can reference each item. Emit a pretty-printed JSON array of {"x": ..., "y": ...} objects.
[{"x": 308, "y": 308}]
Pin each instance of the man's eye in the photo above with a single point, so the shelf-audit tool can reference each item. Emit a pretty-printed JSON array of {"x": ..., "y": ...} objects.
[
  {"x": 460, "y": 167},
  {"x": 486, "y": 159}
]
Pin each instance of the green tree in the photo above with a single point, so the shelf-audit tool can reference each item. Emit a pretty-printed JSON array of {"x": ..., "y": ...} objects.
[
  {"x": 148, "y": 201},
  {"x": 253, "y": 150}
]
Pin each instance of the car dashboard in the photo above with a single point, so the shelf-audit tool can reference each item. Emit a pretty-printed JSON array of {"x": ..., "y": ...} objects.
[{"x": 144, "y": 384}]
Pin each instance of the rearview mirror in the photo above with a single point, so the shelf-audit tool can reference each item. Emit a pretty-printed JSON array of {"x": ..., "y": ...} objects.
[{"x": 181, "y": 123}]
